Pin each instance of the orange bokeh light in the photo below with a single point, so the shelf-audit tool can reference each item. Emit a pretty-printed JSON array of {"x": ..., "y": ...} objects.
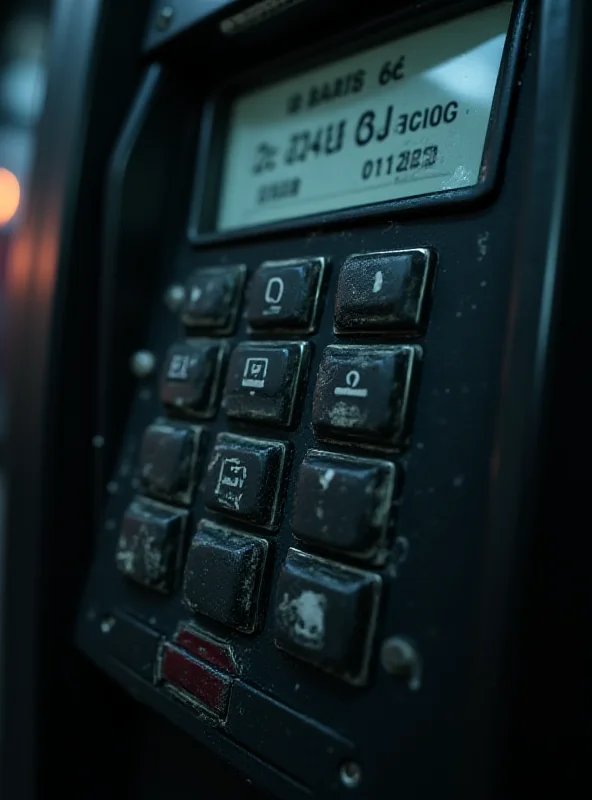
[{"x": 10, "y": 195}]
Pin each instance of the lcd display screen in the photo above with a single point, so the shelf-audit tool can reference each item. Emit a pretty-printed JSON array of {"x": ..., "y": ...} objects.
[{"x": 405, "y": 118}]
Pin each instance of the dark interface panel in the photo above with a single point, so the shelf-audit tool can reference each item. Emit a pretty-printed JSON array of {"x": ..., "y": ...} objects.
[{"x": 285, "y": 565}]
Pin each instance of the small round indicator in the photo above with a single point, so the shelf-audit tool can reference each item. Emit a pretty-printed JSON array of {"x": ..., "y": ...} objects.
[{"x": 350, "y": 774}]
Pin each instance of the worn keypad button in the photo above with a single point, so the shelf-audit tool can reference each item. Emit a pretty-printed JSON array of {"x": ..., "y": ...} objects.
[
  {"x": 365, "y": 393},
  {"x": 191, "y": 377},
  {"x": 224, "y": 574},
  {"x": 212, "y": 298},
  {"x": 284, "y": 294},
  {"x": 149, "y": 545},
  {"x": 168, "y": 460},
  {"x": 384, "y": 291},
  {"x": 190, "y": 680},
  {"x": 325, "y": 613},
  {"x": 343, "y": 503},
  {"x": 263, "y": 381},
  {"x": 245, "y": 478}
]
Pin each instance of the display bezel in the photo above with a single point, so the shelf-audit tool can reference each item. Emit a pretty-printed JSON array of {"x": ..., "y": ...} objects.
[{"x": 215, "y": 126}]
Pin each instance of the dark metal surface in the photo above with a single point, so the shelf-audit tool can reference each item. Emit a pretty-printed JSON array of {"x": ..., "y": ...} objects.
[
  {"x": 522, "y": 457},
  {"x": 432, "y": 600},
  {"x": 182, "y": 14}
]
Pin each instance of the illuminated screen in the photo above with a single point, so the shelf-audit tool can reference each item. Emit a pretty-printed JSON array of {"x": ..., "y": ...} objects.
[{"x": 408, "y": 117}]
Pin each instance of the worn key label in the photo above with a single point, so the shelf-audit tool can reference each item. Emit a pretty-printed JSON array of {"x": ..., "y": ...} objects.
[{"x": 406, "y": 118}]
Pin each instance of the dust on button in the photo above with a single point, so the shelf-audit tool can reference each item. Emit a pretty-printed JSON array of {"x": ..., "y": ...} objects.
[
  {"x": 245, "y": 478},
  {"x": 385, "y": 291},
  {"x": 191, "y": 377},
  {"x": 325, "y": 614},
  {"x": 365, "y": 393},
  {"x": 264, "y": 381},
  {"x": 284, "y": 295}
]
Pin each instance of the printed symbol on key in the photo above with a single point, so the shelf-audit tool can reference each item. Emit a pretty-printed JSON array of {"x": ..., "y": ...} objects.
[
  {"x": 195, "y": 294},
  {"x": 352, "y": 379},
  {"x": 231, "y": 479},
  {"x": 274, "y": 291},
  {"x": 179, "y": 367},
  {"x": 254, "y": 373}
]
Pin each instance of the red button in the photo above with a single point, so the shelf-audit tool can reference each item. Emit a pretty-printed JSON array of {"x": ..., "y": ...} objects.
[
  {"x": 216, "y": 653},
  {"x": 191, "y": 677}
]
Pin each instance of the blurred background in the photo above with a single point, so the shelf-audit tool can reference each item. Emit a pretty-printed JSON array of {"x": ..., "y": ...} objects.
[{"x": 24, "y": 28}]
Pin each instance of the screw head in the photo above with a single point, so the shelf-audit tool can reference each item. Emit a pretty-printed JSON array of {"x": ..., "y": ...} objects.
[
  {"x": 164, "y": 18},
  {"x": 107, "y": 624},
  {"x": 174, "y": 297},
  {"x": 350, "y": 774},
  {"x": 399, "y": 657},
  {"x": 142, "y": 363}
]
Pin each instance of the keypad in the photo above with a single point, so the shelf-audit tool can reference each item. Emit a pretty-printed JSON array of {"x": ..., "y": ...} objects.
[
  {"x": 342, "y": 515},
  {"x": 284, "y": 295},
  {"x": 224, "y": 574},
  {"x": 343, "y": 503},
  {"x": 384, "y": 291},
  {"x": 212, "y": 299},
  {"x": 263, "y": 381},
  {"x": 149, "y": 546},
  {"x": 325, "y": 613},
  {"x": 363, "y": 393},
  {"x": 191, "y": 377},
  {"x": 168, "y": 461},
  {"x": 245, "y": 478}
]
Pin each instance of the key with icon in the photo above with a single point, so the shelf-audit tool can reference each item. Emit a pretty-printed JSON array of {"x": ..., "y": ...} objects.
[
  {"x": 363, "y": 392},
  {"x": 284, "y": 295},
  {"x": 265, "y": 380}
]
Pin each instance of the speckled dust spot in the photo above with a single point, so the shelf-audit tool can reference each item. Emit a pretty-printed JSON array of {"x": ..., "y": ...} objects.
[
  {"x": 326, "y": 478},
  {"x": 482, "y": 246},
  {"x": 107, "y": 624},
  {"x": 304, "y": 618},
  {"x": 126, "y": 558},
  {"x": 461, "y": 176},
  {"x": 401, "y": 549},
  {"x": 346, "y": 415},
  {"x": 458, "y": 481}
]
